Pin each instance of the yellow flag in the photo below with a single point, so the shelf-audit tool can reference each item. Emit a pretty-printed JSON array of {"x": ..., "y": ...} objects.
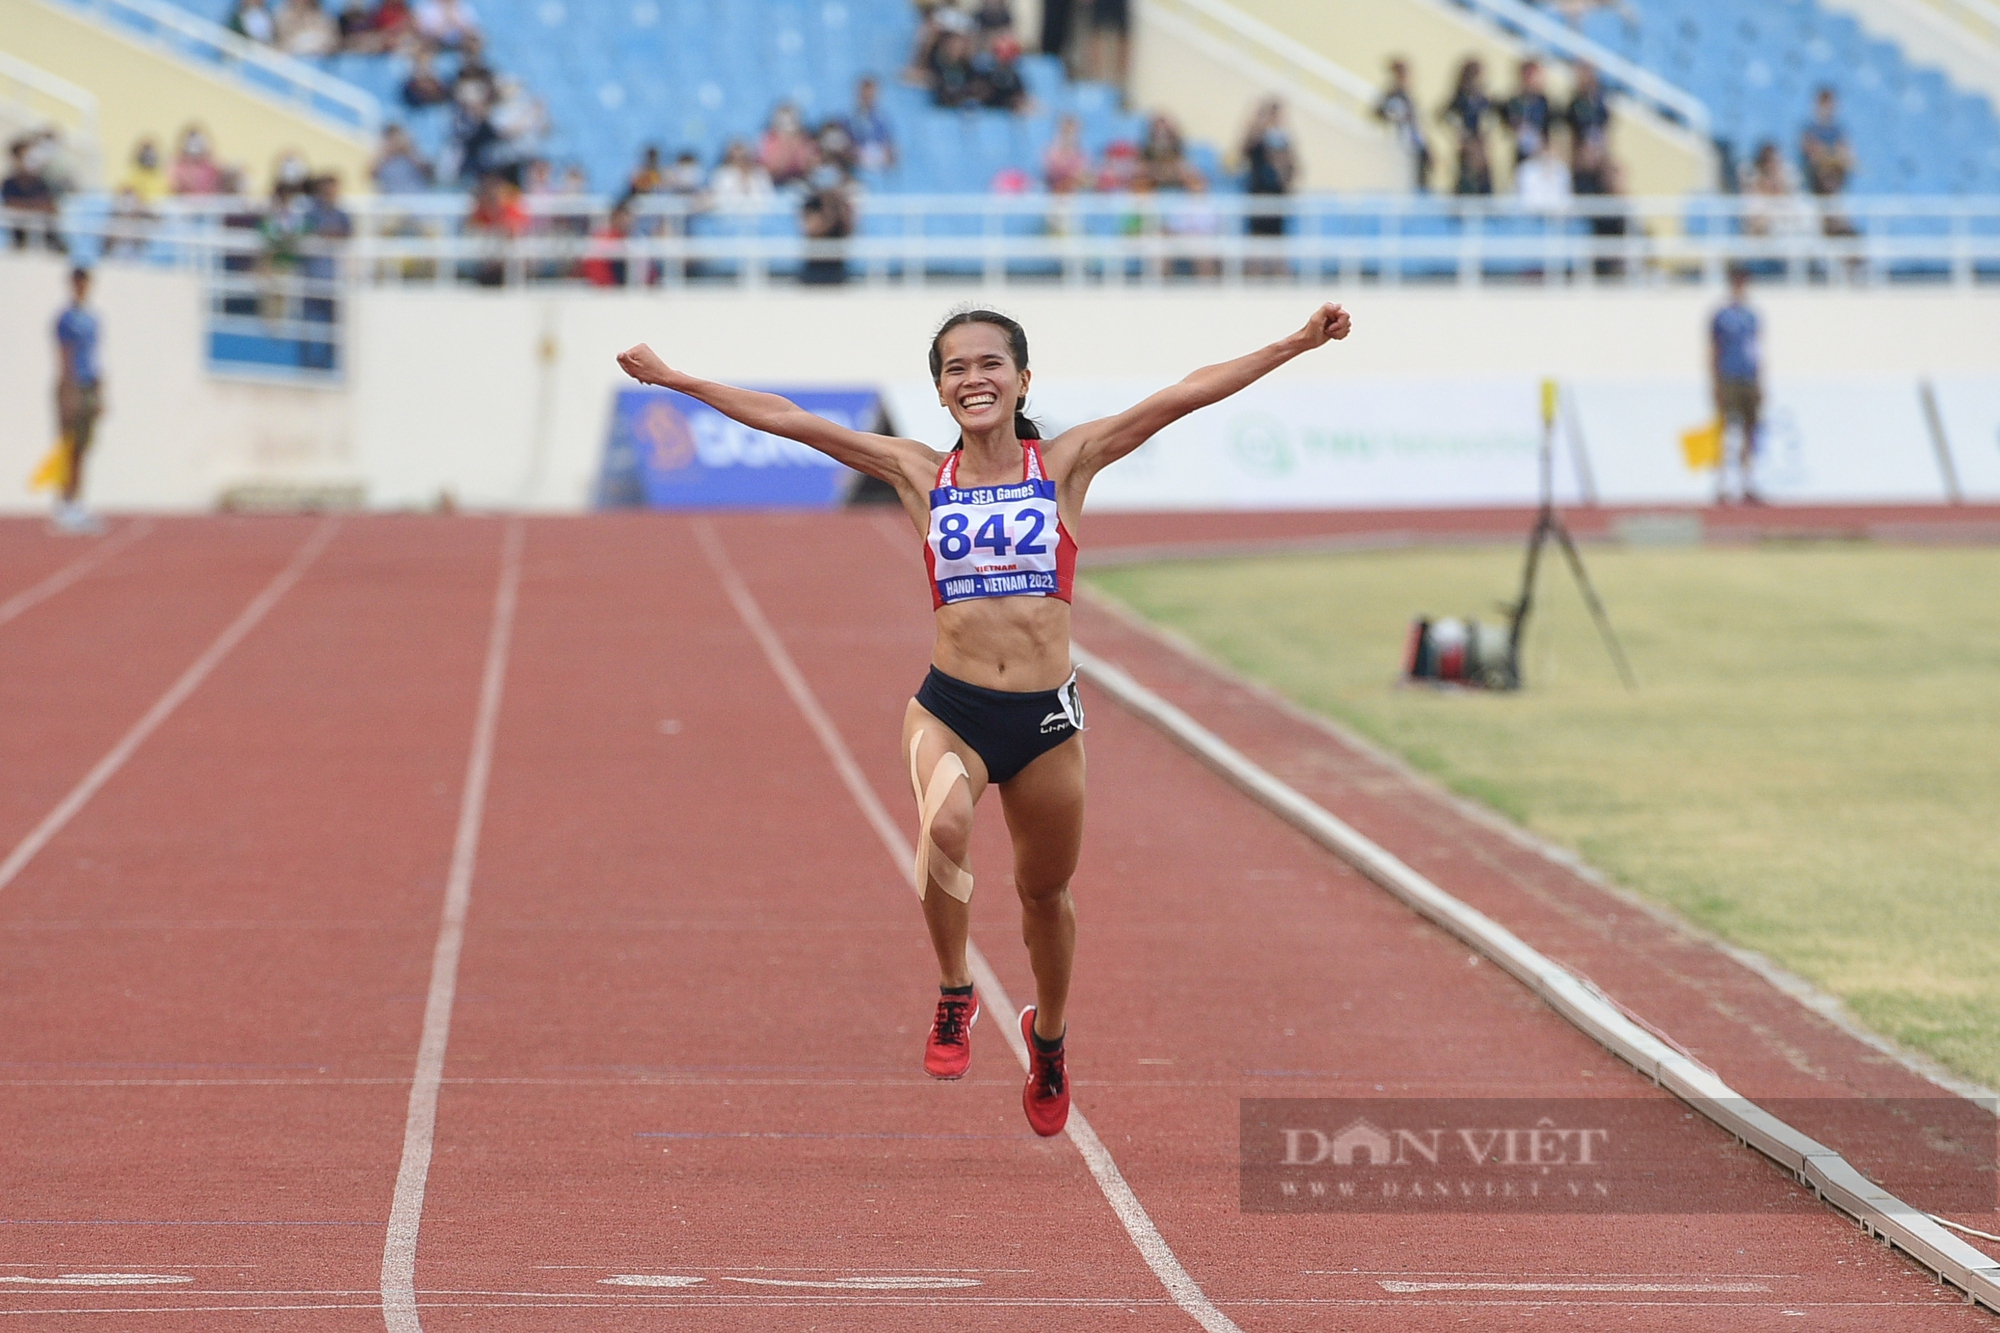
[
  {"x": 52, "y": 473},
  {"x": 1702, "y": 447}
]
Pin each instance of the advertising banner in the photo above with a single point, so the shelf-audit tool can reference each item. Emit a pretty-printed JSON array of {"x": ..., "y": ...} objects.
[
  {"x": 669, "y": 451},
  {"x": 1848, "y": 441},
  {"x": 1969, "y": 413},
  {"x": 1327, "y": 444},
  {"x": 1463, "y": 442}
]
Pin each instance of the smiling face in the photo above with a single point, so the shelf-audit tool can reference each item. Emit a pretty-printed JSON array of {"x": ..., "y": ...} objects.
[{"x": 978, "y": 381}]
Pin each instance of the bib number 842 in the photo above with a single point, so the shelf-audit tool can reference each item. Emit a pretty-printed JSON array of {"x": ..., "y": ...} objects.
[{"x": 956, "y": 540}]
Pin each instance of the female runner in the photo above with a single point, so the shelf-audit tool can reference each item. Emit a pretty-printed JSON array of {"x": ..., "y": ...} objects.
[{"x": 998, "y": 516}]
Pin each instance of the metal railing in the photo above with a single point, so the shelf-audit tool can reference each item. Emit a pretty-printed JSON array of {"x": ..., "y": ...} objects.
[
  {"x": 177, "y": 32},
  {"x": 1098, "y": 241},
  {"x": 1553, "y": 35}
]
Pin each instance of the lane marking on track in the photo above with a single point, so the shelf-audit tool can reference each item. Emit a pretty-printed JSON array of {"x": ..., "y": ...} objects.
[
  {"x": 1575, "y": 998},
  {"x": 102, "y": 1280},
  {"x": 177, "y": 693},
  {"x": 399, "y": 1253},
  {"x": 1676, "y": 1287},
  {"x": 74, "y": 570},
  {"x": 1152, "y": 1246}
]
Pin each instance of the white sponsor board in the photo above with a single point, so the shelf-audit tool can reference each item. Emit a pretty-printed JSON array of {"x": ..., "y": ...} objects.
[
  {"x": 1328, "y": 444},
  {"x": 1969, "y": 411},
  {"x": 1416, "y": 443}
]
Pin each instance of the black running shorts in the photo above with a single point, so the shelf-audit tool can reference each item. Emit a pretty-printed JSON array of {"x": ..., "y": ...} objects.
[{"x": 1008, "y": 730}]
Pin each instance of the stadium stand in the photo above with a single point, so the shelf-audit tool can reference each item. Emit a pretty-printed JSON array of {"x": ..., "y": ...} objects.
[
  {"x": 1757, "y": 67},
  {"x": 694, "y": 74}
]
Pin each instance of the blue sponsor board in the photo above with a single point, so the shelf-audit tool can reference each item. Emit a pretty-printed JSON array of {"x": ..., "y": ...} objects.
[{"x": 670, "y": 451}]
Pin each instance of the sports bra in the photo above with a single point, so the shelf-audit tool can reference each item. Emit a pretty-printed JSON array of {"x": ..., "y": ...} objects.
[{"x": 998, "y": 541}]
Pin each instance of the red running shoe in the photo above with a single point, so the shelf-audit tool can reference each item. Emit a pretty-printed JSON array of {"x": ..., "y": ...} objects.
[
  {"x": 1046, "y": 1097},
  {"x": 948, "y": 1052}
]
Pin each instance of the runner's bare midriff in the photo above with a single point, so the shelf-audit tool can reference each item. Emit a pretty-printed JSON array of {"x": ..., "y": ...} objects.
[{"x": 1005, "y": 643}]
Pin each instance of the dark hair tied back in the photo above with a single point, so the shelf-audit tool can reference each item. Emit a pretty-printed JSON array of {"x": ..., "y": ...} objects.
[{"x": 1017, "y": 346}]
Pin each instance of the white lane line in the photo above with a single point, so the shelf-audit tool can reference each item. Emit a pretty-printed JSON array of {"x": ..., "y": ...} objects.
[
  {"x": 399, "y": 1252},
  {"x": 1676, "y": 1287},
  {"x": 1574, "y": 997},
  {"x": 176, "y": 694},
  {"x": 75, "y": 569},
  {"x": 1131, "y": 1213}
]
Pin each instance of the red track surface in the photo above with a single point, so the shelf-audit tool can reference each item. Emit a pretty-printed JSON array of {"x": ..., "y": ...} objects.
[{"x": 693, "y": 989}]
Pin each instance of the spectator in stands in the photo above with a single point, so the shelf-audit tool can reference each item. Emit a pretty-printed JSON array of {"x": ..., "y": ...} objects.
[
  {"x": 1271, "y": 169},
  {"x": 740, "y": 180},
  {"x": 520, "y": 120},
  {"x": 1119, "y": 171},
  {"x": 827, "y": 218},
  {"x": 473, "y": 69},
  {"x": 27, "y": 190},
  {"x": 395, "y": 24},
  {"x": 424, "y": 88},
  {"x": 79, "y": 399},
  {"x": 398, "y": 167},
  {"x": 1588, "y": 116},
  {"x": 954, "y": 75},
  {"x": 1736, "y": 364},
  {"x": 939, "y": 21},
  {"x": 327, "y": 224},
  {"x": 146, "y": 178},
  {"x": 1111, "y": 41},
  {"x": 1163, "y": 157},
  {"x": 998, "y": 70},
  {"x": 1543, "y": 183},
  {"x": 1192, "y": 213},
  {"x": 874, "y": 137},
  {"x": 1066, "y": 165},
  {"x": 252, "y": 19},
  {"x": 195, "y": 171},
  {"x": 647, "y": 177},
  {"x": 1466, "y": 114},
  {"x": 993, "y": 17},
  {"x": 1398, "y": 109},
  {"x": 446, "y": 24},
  {"x": 684, "y": 178},
  {"x": 305, "y": 30},
  {"x": 1058, "y": 27},
  {"x": 1527, "y": 113},
  {"x": 1824, "y": 151},
  {"x": 471, "y": 152},
  {"x": 357, "y": 28},
  {"x": 786, "y": 150},
  {"x": 604, "y": 260},
  {"x": 836, "y": 145},
  {"x": 1767, "y": 188},
  {"x": 497, "y": 214}
]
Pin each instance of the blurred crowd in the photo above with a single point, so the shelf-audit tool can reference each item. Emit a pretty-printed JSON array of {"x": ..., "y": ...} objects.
[{"x": 308, "y": 28}]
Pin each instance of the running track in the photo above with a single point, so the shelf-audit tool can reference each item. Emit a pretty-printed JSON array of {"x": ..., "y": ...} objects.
[{"x": 686, "y": 1006}]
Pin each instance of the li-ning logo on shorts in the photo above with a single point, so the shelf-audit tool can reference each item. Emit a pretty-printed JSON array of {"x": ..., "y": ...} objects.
[{"x": 1069, "y": 711}]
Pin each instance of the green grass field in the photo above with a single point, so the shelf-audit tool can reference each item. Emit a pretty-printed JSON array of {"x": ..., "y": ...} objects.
[{"x": 1811, "y": 767}]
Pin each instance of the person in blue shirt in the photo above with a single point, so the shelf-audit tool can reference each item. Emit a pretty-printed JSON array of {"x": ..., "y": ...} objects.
[
  {"x": 79, "y": 397},
  {"x": 1737, "y": 363}
]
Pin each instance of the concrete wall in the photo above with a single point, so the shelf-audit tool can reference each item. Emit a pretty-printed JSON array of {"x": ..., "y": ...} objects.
[
  {"x": 173, "y": 436},
  {"x": 1659, "y": 157},
  {"x": 143, "y": 92},
  {"x": 504, "y": 400}
]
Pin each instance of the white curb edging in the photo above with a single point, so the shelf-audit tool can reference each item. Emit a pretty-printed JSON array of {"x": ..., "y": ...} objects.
[{"x": 1829, "y": 1174}]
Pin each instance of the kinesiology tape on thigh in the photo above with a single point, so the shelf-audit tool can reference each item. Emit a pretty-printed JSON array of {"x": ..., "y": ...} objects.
[{"x": 952, "y": 877}]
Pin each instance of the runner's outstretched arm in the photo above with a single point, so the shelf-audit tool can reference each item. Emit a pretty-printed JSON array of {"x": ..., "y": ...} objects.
[
  {"x": 881, "y": 456},
  {"x": 1097, "y": 444}
]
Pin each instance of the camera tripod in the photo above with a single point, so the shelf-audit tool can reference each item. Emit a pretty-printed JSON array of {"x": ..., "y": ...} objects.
[{"x": 1549, "y": 526}]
